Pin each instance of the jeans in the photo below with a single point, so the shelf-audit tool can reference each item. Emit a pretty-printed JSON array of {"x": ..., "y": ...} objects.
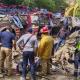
[
  {"x": 77, "y": 64},
  {"x": 61, "y": 41},
  {"x": 28, "y": 56}
]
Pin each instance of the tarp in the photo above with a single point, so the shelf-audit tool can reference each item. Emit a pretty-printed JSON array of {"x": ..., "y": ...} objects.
[
  {"x": 17, "y": 21},
  {"x": 57, "y": 15}
]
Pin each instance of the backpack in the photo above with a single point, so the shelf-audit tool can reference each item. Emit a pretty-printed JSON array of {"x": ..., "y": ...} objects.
[{"x": 22, "y": 44}]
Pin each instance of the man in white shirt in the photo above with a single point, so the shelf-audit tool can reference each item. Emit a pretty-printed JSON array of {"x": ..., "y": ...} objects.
[{"x": 28, "y": 52}]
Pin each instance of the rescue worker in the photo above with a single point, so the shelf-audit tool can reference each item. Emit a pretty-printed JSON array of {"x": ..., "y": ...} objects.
[
  {"x": 77, "y": 57},
  {"x": 45, "y": 50},
  {"x": 8, "y": 41}
]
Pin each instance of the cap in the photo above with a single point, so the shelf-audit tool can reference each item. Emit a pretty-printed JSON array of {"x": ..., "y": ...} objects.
[{"x": 30, "y": 30}]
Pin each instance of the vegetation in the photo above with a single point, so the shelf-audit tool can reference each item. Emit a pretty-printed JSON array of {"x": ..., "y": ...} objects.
[
  {"x": 30, "y": 3},
  {"x": 10, "y": 2},
  {"x": 77, "y": 14},
  {"x": 48, "y": 4},
  {"x": 52, "y": 5},
  {"x": 60, "y": 4}
]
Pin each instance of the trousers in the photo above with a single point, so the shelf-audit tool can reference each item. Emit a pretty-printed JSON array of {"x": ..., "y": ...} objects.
[
  {"x": 28, "y": 57},
  {"x": 6, "y": 55},
  {"x": 45, "y": 63}
]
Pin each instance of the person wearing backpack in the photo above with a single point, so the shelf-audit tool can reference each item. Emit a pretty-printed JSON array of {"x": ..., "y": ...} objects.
[{"x": 30, "y": 45}]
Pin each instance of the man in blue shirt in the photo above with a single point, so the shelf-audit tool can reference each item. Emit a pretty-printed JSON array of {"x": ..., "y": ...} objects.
[{"x": 8, "y": 41}]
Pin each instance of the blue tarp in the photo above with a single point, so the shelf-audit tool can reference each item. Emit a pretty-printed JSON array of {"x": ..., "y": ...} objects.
[{"x": 17, "y": 21}]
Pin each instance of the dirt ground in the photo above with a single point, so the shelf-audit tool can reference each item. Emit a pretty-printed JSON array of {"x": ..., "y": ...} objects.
[{"x": 52, "y": 77}]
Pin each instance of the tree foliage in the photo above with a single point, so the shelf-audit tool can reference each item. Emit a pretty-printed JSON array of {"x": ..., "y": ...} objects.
[
  {"x": 77, "y": 14},
  {"x": 10, "y": 2},
  {"x": 52, "y": 5},
  {"x": 78, "y": 1},
  {"x": 30, "y": 3},
  {"x": 60, "y": 4},
  {"x": 48, "y": 4}
]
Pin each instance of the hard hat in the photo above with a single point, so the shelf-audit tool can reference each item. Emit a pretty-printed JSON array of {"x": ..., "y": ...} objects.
[{"x": 44, "y": 30}]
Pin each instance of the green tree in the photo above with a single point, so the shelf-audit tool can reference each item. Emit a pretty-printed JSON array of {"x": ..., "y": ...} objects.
[
  {"x": 26, "y": 2},
  {"x": 19, "y": 1},
  {"x": 52, "y": 5},
  {"x": 48, "y": 4},
  {"x": 30, "y": 3},
  {"x": 60, "y": 4},
  {"x": 78, "y": 1},
  {"x": 10, "y": 2},
  {"x": 77, "y": 14}
]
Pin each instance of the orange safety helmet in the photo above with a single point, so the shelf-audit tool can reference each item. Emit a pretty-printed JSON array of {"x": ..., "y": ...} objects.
[{"x": 44, "y": 30}]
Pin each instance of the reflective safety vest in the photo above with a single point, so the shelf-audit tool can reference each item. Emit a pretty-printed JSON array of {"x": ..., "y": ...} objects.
[{"x": 78, "y": 46}]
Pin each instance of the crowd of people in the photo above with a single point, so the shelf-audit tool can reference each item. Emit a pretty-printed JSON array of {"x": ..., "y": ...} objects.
[
  {"x": 30, "y": 50},
  {"x": 30, "y": 46}
]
